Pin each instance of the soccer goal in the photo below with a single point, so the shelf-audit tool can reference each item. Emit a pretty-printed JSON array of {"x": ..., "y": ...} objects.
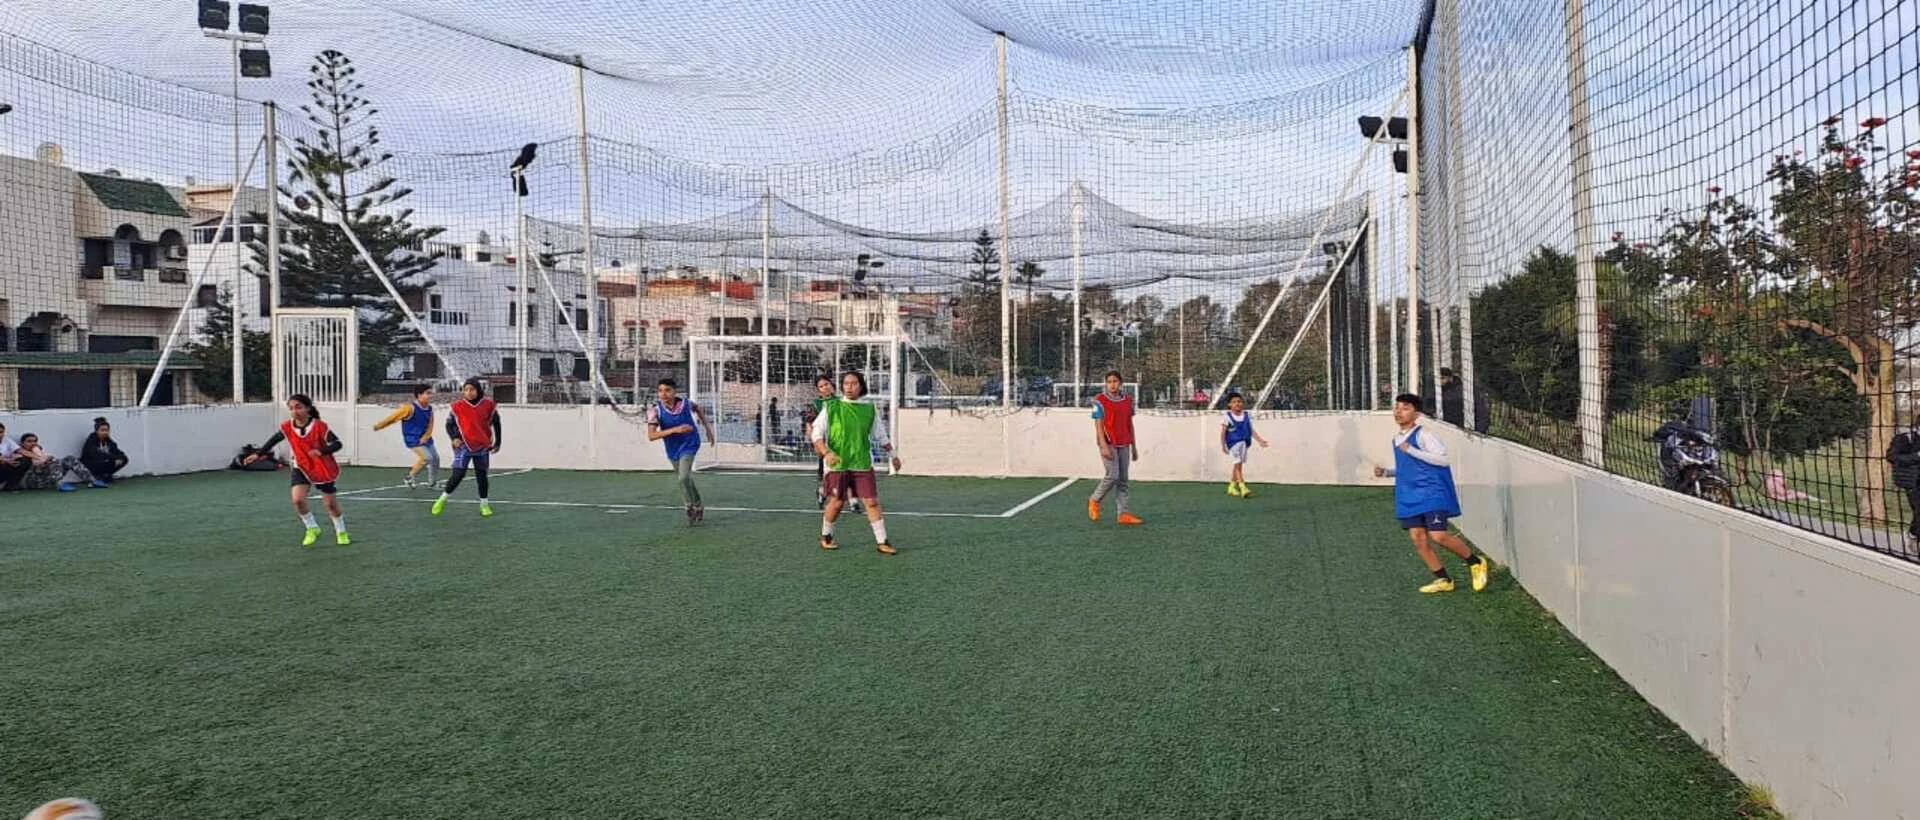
[
  {"x": 316, "y": 352},
  {"x": 758, "y": 391}
]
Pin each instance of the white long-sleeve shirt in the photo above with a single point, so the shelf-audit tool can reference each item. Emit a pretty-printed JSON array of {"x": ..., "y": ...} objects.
[
  {"x": 877, "y": 438},
  {"x": 1428, "y": 447}
]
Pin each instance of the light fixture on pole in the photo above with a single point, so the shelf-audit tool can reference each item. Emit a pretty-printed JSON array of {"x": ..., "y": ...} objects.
[
  {"x": 518, "y": 170},
  {"x": 215, "y": 17}
]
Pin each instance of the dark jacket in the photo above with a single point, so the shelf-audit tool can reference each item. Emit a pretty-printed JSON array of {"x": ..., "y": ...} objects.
[
  {"x": 1904, "y": 454},
  {"x": 95, "y": 451},
  {"x": 1453, "y": 406}
]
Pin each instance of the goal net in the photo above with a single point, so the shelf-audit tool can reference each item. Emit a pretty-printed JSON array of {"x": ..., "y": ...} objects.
[{"x": 758, "y": 391}]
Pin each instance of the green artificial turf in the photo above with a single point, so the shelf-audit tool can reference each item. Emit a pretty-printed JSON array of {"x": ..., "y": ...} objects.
[{"x": 167, "y": 650}]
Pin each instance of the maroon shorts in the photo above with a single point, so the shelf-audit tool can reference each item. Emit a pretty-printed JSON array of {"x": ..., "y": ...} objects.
[{"x": 851, "y": 484}]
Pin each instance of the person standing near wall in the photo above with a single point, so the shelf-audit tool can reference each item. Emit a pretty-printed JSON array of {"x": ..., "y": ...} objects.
[
  {"x": 1424, "y": 497},
  {"x": 1113, "y": 432},
  {"x": 1904, "y": 455}
]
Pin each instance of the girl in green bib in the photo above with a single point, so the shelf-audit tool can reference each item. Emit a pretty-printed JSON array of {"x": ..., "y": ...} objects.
[{"x": 845, "y": 435}]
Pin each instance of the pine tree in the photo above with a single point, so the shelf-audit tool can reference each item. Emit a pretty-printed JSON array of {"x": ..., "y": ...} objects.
[
  {"x": 214, "y": 352},
  {"x": 342, "y": 163}
]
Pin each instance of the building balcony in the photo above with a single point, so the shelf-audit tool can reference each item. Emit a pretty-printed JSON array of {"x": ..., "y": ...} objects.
[{"x": 134, "y": 287}]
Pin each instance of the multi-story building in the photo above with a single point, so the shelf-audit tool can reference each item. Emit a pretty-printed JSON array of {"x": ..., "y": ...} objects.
[{"x": 90, "y": 286}]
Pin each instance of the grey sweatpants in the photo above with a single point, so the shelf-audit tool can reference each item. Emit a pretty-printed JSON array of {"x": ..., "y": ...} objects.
[
  {"x": 1116, "y": 478},
  {"x": 684, "y": 468}
]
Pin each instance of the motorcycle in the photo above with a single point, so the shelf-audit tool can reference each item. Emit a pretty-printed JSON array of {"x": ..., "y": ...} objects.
[{"x": 1690, "y": 463}]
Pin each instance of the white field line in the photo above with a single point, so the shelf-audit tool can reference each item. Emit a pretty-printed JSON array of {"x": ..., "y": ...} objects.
[
  {"x": 490, "y": 476},
  {"x": 1028, "y": 504},
  {"x": 616, "y": 507}
]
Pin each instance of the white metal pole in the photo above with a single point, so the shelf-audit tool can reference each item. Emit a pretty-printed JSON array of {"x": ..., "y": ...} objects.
[
  {"x": 766, "y": 285},
  {"x": 1413, "y": 221},
  {"x": 1458, "y": 188},
  {"x": 1373, "y": 304},
  {"x": 592, "y": 275},
  {"x": 239, "y": 268},
  {"x": 1393, "y": 337},
  {"x": 272, "y": 147},
  {"x": 1079, "y": 217},
  {"x": 1006, "y": 231},
  {"x": 525, "y": 294},
  {"x": 1326, "y": 329},
  {"x": 1586, "y": 277}
]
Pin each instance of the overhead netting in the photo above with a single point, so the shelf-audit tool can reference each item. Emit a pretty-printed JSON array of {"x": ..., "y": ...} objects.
[{"x": 1144, "y": 182}]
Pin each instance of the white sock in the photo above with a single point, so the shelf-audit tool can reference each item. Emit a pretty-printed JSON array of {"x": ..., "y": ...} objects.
[
  {"x": 444, "y": 496},
  {"x": 826, "y": 528},
  {"x": 340, "y": 524},
  {"x": 483, "y": 501},
  {"x": 307, "y": 519},
  {"x": 879, "y": 531}
]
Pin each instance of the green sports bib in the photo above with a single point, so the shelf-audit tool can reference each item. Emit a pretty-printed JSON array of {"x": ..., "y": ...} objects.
[{"x": 849, "y": 431}]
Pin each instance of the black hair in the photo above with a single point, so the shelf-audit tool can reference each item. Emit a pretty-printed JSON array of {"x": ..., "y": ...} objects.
[
  {"x": 1410, "y": 400},
  {"x": 824, "y": 377},
  {"x": 302, "y": 400},
  {"x": 25, "y": 436},
  {"x": 1446, "y": 372},
  {"x": 857, "y": 376},
  {"x": 1115, "y": 374},
  {"x": 1235, "y": 395},
  {"x": 99, "y": 422},
  {"x": 666, "y": 383},
  {"x": 477, "y": 385},
  {"x": 422, "y": 388}
]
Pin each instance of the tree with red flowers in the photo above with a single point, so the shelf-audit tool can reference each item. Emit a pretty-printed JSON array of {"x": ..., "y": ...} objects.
[{"x": 1848, "y": 224}]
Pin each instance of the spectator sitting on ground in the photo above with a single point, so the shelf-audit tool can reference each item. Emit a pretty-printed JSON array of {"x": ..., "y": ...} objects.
[
  {"x": 43, "y": 471},
  {"x": 101, "y": 454},
  {"x": 12, "y": 464}
]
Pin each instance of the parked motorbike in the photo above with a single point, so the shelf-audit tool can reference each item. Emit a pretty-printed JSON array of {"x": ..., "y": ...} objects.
[{"x": 1690, "y": 463}]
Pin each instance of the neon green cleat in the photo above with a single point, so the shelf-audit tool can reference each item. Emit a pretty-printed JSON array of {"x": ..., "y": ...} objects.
[
  {"x": 486, "y": 511},
  {"x": 342, "y": 539},
  {"x": 1245, "y": 491},
  {"x": 439, "y": 506},
  {"x": 313, "y": 534},
  {"x": 1233, "y": 490}
]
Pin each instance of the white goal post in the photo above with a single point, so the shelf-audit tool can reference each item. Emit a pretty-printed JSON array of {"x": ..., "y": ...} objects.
[{"x": 755, "y": 389}]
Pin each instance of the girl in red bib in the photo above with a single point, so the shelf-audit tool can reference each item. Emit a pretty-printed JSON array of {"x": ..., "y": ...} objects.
[
  {"x": 313, "y": 445},
  {"x": 473, "y": 425}
]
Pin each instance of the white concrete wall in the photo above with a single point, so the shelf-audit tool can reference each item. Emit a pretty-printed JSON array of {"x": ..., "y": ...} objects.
[
  {"x": 158, "y": 440},
  {"x": 1793, "y": 657}
]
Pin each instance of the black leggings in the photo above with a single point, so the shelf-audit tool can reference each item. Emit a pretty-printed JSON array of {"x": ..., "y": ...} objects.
[
  {"x": 1913, "y": 502},
  {"x": 479, "y": 478}
]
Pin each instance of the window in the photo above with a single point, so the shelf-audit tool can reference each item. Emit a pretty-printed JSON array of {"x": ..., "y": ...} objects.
[
  {"x": 513, "y": 314},
  {"x": 533, "y": 315},
  {"x": 247, "y": 233},
  {"x": 437, "y": 314},
  {"x": 713, "y": 326},
  {"x": 426, "y": 366},
  {"x": 582, "y": 368},
  {"x": 673, "y": 336},
  {"x": 482, "y": 256},
  {"x": 640, "y": 335},
  {"x": 580, "y": 318},
  {"x": 207, "y": 297},
  {"x": 103, "y": 343},
  {"x": 549, "y": 367},
  {"x": 633, "y": 337},
  {"x": 509, "y": 366},
  {"x": 266, "y": 295}
]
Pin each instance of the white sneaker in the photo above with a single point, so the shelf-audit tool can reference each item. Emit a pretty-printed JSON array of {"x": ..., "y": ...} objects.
[{"x": 411, "y": 484}]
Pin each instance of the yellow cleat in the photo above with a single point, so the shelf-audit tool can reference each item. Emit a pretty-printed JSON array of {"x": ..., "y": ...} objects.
[
  {"x": 439, "y": 506},
  {"x": 1245, "y": 491},
  {"x": 313, "y": 534},
  {"x": 1233, "y": 490},
  {"x": 342, "y": 539},
  {"x": 1439, "y": 585},
  {"x": 486, "y": 511},
  {"x": 1481, "y": 571}
]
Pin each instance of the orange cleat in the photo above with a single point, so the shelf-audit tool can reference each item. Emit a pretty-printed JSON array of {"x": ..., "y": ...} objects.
[
  {"x": 826, "y": 543},
  {"x": 1093, "y": 511},
  {"x": 886, "y": 549},
  {"x": 1130, "y": 520}
]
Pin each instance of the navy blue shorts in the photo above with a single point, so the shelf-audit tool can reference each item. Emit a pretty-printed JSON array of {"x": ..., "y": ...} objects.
[
  {"x": 1431, "y": 522},
  {"x": 482, "y": 460}
]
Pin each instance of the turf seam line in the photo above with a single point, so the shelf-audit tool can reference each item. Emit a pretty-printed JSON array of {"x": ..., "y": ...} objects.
[
  {"x": 592, "y": 505},
  {"x": 520, "y": 471}
]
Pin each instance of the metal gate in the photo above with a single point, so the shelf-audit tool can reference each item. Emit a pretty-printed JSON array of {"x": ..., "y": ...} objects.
[{"x": 316, "y": 351}]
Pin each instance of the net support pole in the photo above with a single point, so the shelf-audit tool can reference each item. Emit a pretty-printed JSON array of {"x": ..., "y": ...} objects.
[
  {"x": 227, "y": 222},
  {"x": 766, "y": 286},
  {"x": 1079, "y": 217},
  {"x": 1393, "y": 340},
  {"x": 239, "y": 267},
  {"x": 1313, "y": 314},
  {"x": 525, "y": 294},
  {"x": 1413, "y": 220},
  {"x": 379, "y": 272},
  {"x": 1373, "y": 304},
  {"x": 1006, "y": 228},
  {"x": 1266, "y": 318},
  {"x": 271, "y": 145},
  {"x": 1586, "y": 297},
  {"x": 1459, "y": 188},
  {"x": 592, "y": 274}
]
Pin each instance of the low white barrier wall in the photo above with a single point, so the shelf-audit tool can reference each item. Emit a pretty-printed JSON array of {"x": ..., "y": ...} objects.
[
  {"x": 158, "y": 440},
  {"x": 1794, "y": 658}
]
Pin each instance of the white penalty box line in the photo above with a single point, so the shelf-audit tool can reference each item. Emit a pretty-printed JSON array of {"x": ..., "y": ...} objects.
[
  {"x": 612, "y": 507},
  {"x": 490, "y": 477}
]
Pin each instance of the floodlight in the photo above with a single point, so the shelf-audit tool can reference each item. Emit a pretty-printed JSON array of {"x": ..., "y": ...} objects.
[
  {"x": 255, "y": 64},
  {"x": 1400, "y": 160},
  {"x": 214, "y": 15},
  {"x": 253, "y": 19}
]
